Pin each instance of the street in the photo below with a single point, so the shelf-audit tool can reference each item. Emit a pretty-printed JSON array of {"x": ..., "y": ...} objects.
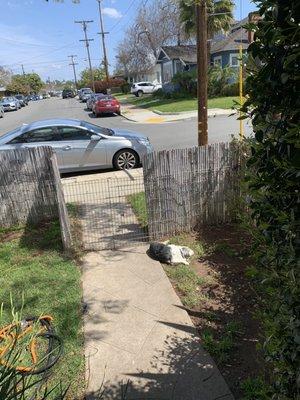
[{"x": 170, "y": 135}]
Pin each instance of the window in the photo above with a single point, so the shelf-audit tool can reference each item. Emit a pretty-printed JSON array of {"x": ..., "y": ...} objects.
[
  {"x": 218, "y": 61},
  {"x": 73, "y": 133},
  {"x": 234, "y": 60},
  {"x": 36, "y": 136}
]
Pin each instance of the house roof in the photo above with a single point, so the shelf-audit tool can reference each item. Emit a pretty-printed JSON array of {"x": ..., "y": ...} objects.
[
  {"x": 238, "y": 36},
  {"x": 186, "y": 53}
]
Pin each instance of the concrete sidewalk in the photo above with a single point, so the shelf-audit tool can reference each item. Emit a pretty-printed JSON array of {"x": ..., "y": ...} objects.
[
  {"x": 144, "y": 116},
  {"x": 139, "y": 341}
]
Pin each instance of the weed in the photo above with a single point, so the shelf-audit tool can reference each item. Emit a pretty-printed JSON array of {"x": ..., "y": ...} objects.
[
  {"x": 255, "y": 389},
  {"x": 221, "y": 348}
]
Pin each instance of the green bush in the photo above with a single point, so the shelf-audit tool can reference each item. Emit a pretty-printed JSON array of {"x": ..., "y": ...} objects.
[
  {"x": 186, "y": 81},
  {"x": 125, "y": 87},
  {"x": 231, "y": 89},
  {"x": 273, "y": 89}
]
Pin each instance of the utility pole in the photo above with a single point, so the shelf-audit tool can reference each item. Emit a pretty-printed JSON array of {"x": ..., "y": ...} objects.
[
  {"x": 201, "y": 20},
  {"x": 87, "y": 45},
  {"x": 23, "y": 71},
  {"x": 74, "y": 70},
  {"x": 102, "y": 33}
]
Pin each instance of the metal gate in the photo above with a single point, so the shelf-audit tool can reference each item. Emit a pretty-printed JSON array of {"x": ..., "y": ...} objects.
[{"x": 104, "y": 211}]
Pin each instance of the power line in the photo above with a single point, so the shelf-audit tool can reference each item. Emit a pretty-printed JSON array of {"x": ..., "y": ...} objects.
[
  {"x": 124, "y": 15},
  {"x": 87, "y": 45},
  {"x": 74, "y": 70},
  {"x": 102, "y": 33}
]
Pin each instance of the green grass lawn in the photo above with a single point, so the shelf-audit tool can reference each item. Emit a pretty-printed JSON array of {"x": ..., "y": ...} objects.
[
  {"x": 178, "y": 105},
  {"x": 138, "y": 204},
  {"x": 41, "y": 280}
]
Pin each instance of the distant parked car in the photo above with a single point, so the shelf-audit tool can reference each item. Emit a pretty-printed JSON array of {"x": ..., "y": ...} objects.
[
  {"x": 68, "y": 93},
  {"x": 80, "y": 145},
  {"x": 86, "y": 96},
  {"x": 10, "y": 104},
  {"x": 91, "y": 100},
  {"x": 106, "y": 105},
  {"x": 1, "y": 112},
  {"x": 83, "y": 91},
  {"x": 22, "y": 99},
  {"x": 141, "y": 88}
]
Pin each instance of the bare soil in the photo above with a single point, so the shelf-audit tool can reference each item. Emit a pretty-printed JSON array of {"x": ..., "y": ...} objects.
[{"x": 227, "y": 298}]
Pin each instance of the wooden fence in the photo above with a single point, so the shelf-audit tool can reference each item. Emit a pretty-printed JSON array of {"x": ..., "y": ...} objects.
[
  {"x": 30, "y": 190},
  {"x": 190, "y": 187}
]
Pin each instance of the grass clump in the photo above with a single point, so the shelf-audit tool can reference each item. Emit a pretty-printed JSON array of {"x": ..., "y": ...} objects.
[
  {"x": 187, "y": 282},
  {"x": 138, "y": 204},
  {"x": 42, "y": 281},
  {"x": 221, "y": 348}
]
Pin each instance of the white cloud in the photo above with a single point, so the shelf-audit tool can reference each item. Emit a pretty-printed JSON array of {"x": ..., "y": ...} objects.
[{"x": 112, "y": 12}]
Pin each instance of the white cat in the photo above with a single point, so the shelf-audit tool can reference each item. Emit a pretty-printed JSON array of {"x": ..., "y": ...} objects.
[{"x": 170, "y": 253}]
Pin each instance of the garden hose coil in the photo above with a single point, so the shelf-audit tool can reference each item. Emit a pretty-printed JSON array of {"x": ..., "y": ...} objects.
[{"x": 12, "y": 333}]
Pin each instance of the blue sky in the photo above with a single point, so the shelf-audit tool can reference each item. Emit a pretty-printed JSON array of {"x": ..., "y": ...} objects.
[{"x": 42, "y": 34}]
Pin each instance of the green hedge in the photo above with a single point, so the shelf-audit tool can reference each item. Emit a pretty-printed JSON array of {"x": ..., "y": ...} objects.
[{"x": 273, "y": 181}]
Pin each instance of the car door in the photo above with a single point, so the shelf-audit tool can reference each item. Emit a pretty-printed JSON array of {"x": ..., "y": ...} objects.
[
  {"x": 46, "y": 136},
  {"x": 148, "y": 87},
  {"x": 80, "y": 151}
]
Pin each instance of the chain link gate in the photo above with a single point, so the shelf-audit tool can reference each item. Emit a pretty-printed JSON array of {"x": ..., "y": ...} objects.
[{"x": 104, "y": 209}]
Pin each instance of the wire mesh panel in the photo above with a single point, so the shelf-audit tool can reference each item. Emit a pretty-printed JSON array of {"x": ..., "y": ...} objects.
[{"x": 107, "y": 210}]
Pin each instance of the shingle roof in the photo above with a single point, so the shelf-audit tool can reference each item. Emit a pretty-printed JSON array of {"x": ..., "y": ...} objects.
[
  {"x": 231, "y": 42},
  {"x": 187, "y": 53}
]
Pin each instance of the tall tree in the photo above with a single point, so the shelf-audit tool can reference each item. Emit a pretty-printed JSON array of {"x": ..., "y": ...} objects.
[
  {"x": 155, "y": 25},
  {"x": 5, "y": 76},
  {"x": 25, "y": 83},
  {"x": 220, "y": 16},
  {"x": 85, "y": 76}
]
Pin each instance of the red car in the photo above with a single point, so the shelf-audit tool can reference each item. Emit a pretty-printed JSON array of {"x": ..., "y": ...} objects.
[{"x": 106, "y": 105}]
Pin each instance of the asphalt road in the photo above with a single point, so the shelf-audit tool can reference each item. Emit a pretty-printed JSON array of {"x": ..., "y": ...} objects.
[{"x": 170, "y": 135}]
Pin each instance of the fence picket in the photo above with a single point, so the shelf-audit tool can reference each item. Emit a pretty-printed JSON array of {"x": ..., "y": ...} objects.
[{"x": 186, "y": 187}]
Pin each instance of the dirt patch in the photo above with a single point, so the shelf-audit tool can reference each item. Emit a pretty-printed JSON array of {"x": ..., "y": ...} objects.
[{"x": 225, "y": 313}]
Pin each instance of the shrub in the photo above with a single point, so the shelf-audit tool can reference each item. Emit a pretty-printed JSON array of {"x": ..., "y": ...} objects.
[
  {"x": 102, "y": 86},
  {"x": 125, "y": 87},
  {"x": 186, "y": 81},
  {"x": 231, "y": 89},
  {"x": 273, "y": 103}
]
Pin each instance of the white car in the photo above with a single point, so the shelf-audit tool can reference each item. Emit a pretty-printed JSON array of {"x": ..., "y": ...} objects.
[{"x": 139, "y": 88}]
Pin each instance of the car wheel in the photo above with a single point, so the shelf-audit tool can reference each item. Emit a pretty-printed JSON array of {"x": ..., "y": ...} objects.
[
  {"x": 125, "y": 159},
  {"x": 139, "y": 93}
]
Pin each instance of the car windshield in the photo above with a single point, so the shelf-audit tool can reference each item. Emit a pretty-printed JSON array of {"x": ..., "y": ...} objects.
[
  {"x": 19, "y": 97},
  {"x": 97, "y": 129}
]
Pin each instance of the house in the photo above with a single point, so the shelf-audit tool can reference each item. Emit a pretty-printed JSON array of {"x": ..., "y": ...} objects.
[
  {"x": 173, "y": 59},
  {"x": 224, "y": 51},
  {"x": 152, "y": 75}
]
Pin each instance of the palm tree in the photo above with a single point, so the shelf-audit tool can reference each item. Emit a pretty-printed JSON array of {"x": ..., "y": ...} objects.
[{"x": 220, "y": 16}]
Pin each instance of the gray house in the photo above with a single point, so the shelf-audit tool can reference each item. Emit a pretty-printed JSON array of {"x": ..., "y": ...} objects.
[
  {"x": 173, "y": 59},
  {"x": 224, "y": 51}
]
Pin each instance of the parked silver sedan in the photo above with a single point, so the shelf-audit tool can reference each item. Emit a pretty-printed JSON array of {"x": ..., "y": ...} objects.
[
  {"x": 80, "y": 145},
  {"x": 10, "y": 103}
]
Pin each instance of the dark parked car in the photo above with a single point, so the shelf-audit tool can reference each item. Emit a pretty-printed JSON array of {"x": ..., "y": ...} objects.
[
  {"x": 22, "y": 99},
  {"x": 68, "y": 93}
]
